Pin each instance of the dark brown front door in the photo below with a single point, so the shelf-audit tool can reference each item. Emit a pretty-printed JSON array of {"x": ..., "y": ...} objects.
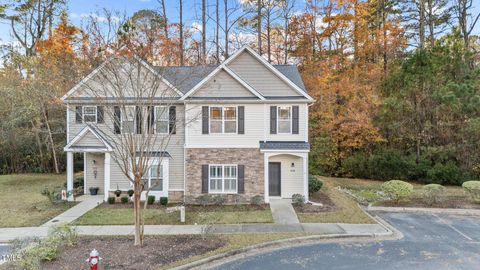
[{"x": 274, "y": 176}]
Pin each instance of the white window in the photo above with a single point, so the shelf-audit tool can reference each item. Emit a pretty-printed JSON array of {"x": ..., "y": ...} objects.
[
  {"x": 284, "y": 119},
  {"x": 161, "y": 119},
  {"x": 154, "y": 177},
  {"x": 223, "y": 120},
  {"x": 128, "y": 120},
  {"x": 90, "y": 114},
  {"x": 222, "y": 179}
]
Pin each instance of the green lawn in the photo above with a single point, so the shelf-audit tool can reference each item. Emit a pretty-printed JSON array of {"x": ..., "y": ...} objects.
[
  {"x": 346, "y": 209},
  {"x": 105, "y": 215},
  {"x": 21, "y": 203}
]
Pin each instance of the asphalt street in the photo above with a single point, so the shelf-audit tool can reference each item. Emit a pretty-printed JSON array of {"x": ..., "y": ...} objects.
[{"x": 434, "y": 242}]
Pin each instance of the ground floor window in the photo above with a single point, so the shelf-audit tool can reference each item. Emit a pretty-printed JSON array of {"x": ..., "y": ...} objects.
[
  {"x": 222, "y": 179},
  {"x": 153, "y": 178}
]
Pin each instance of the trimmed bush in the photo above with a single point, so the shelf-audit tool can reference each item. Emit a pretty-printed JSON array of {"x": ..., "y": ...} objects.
[
  {"x": 445, "y": 173},
  {"x": 204, "y": 200},
  {"x": 473, "y": 189},
  {"x": 124, "y": 200},
  {"x": 397, "y": 189},
  {"x": 219, "y": 200},
  {"x": 433, "y": 193},
  {"x": 111, "y": 200},
  {"x": 314, "y": 185},
  {"x": 150, "y": 199},
  {"x": 163, "y": 200},
  {"x": 257, "y": 200},
  {"x": 298, "y": 199}
]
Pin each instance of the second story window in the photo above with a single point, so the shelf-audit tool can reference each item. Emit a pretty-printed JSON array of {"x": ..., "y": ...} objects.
[
  {"x": 128, "y": 120},
  {"x": 284, "y": 119},
  {"x": 223, "y": 120},
  {"x": 162, "y": 119},
  {"x": 90, "y": 114}
]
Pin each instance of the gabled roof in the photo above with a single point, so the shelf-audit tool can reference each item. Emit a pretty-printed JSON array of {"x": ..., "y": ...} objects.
[{"x": 88, "y": 129}]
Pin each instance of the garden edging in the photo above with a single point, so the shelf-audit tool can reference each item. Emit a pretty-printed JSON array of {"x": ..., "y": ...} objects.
[{"x": 453, "y": 211}]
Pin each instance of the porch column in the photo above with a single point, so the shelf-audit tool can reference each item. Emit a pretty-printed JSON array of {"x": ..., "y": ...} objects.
[
  {"x": 305, "y": 176},
  {"x": 107, "y": 175},
  {"x": 70, "y": 176},
  {"x": 265, "y": 177}
]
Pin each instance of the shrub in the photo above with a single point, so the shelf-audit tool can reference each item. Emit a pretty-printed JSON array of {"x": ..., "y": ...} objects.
[
  {"x": 77, "y": 182},
  {"x": 445, "y": 173},
  {"x": 163, "y": 200},
  {"x": 473, "y": 189},
  {"x": 237, "y": 199},
  {"x": 204, "y": 200},
  {"x": 54, "y": 194},
  {"x": 433, "y": 193},
  {"x": 298, "y": 199},
  {"x": 124, "y": 200},
  {"x": 111, "y": 200},
  {"x": 219, "y": 200},
  {"x": 150, "y": 199},
  {"x": 257, "y": 200},
  {"x": 397, "y": 190},
  {"x": 314, "y": 185}
]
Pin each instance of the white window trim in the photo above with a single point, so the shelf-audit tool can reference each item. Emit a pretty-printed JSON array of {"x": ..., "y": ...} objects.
[
  {"x": 165, "y": 161},
  {"x": 83, "y": 114},
  {"x": 223, "y": 179},
  {"x": 156, "y": 119},
  {"x": 222, "y": 120},
  {"x": 290, "y": 119},
  {"x": 122, "y": 115}
]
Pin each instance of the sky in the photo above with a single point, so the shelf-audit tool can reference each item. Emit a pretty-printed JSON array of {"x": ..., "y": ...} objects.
[{"x": 80, "y": 8}]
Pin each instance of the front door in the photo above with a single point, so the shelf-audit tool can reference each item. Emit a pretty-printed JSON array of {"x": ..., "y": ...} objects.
[{"x": 274, "y": 176}]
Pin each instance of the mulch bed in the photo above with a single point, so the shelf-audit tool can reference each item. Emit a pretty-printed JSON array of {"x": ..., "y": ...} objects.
[
  {"x": 119, "y": 252},
  {"x": 194, "y": 208},
  {"x": 318, "y": 197}
]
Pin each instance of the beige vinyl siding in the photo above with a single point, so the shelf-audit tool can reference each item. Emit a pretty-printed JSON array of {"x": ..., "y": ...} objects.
[
  {"x": 254, "y": 128},
  {"x": 89, "y": 140},
  {"x": 291, "y": 177},
  {"x": 118, "y": 178},
  {"x": 91, "y": 180},
  {"x": 223, "y": 85},
  {"x": 260, "y": 77}
]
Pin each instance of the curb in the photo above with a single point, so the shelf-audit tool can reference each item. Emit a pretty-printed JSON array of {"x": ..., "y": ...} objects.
[
  {"x": 243, "y": 251},
  {"x": 451, "y": 211}
]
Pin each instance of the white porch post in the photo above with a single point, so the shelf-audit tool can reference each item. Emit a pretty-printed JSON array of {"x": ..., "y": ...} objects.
[
  {"x": 107, "y": 176},
  {"x": 305, "y": 175},
  {"x": 265, "y": 177},
  {"x": 70, "y": 176}
]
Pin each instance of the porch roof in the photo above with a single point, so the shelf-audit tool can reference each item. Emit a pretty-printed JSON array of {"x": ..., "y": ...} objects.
[{"x": 88, "y": 140}]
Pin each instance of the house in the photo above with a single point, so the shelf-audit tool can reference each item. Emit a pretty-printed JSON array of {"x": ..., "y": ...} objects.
[{"x": 250, "y": 136}]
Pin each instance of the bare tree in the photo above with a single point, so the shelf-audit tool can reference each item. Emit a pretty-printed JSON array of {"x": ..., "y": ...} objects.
[
  {"x": 164, "y": 15},
  {"x": 217, "y": 31},
  {"x": 466, "y": 20},
  {"x": 180, "y": 31},
  {"x": 287, "y": 8},
  {"x": 259, "y": 25},
  {"x": 204, "y": 31}
]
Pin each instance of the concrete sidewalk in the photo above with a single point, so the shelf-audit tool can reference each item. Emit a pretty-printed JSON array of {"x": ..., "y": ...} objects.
[
  {"x": 326, "y": 229},
  {"x": 283, "y": 212},
  {"x": 86, "y": 203}
]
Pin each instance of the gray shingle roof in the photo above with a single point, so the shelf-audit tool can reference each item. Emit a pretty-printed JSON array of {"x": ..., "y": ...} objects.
[
  {"x": 289, "y": 145},
  {"x": 185, "y": 78}
]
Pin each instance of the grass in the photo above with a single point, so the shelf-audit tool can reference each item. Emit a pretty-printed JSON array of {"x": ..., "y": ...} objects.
[
  {"x": 21, "y": 202},
  {"x": 346, "y": 209},
  {"x": 158, "y": 216},
  {"x": 238, "y": 241}
]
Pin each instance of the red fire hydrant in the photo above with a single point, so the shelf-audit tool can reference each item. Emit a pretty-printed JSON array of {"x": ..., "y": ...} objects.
[{"x": 94, "y": 259}]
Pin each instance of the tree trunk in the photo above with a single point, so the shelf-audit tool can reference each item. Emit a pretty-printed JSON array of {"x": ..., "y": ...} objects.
[
  {"x": 165, "y": 27},
  {"x": 269, "y": 52},
  {"x": 50, "y": 138},
  {"x": 39, "y": 144},
  {"x": 431, "y": 23},
  {"x": 137, "y": 212},
  {"x": 285, "y": 42},
  {"x": 225, "y": 3},
  {"x": 217, "y": 32},
  {"x": 181, "y": 33},
  {"x": 421, "y": 23},
  {"x": 259, "y": 25},
  {"x": 204, "y": 30}
]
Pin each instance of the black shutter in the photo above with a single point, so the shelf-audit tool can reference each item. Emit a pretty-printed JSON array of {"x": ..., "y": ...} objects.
[
  {"x": 273, "y": 119},
  {"x": 138, "y": 119},
  {"x": 100, "y": 114},
  {"x": 204, "y": 119},
  {"x": 117, "y": 119},
  {"x": 78, "y": 114},
  {"x": 294, "y": 119},
  {"x": 204, "y": 178},
  {"x": 241, "y": 119},
  {"x": 241, "y": 179},
  {"x": 151, "y": 119},
  {"x": 172, "y": 113}
]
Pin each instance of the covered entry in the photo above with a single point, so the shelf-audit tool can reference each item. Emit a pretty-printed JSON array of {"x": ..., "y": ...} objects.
[{"x": 286, "y": 169}]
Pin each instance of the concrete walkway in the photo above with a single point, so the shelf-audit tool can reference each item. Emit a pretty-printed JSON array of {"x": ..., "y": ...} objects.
[
  {"x": 283, "y": 212},
  {"x": 326, "y": 229},
  {"x": 86, "y": 204}
]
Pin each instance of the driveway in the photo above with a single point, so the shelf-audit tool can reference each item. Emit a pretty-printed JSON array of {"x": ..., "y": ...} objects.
[{"x": 430, "y": 242}]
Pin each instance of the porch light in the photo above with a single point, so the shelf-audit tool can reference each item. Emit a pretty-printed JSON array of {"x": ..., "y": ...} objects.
[{"x": 293, "y": 165}]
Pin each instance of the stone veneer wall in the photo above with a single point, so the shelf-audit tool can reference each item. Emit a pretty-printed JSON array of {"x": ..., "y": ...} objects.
[{"x": 251, "y": 158}]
